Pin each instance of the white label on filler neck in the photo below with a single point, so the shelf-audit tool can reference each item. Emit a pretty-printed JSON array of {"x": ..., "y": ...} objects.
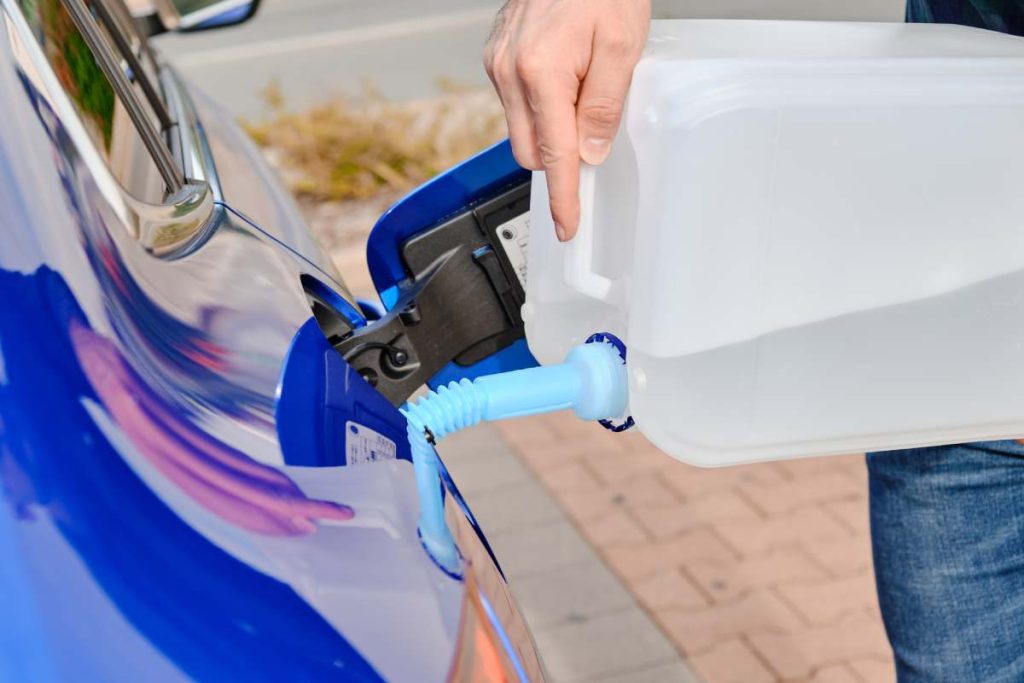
[
  {"x": 514, "y": 237},
  {"x": 363, "y": 445}
]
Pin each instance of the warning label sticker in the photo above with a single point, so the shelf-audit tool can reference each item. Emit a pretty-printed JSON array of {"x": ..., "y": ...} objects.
[
  {"x": 363, "y": 445},
  {"x": 514, "y": 236}
]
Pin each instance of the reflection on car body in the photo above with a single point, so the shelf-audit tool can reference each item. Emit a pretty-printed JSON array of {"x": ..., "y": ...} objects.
[{"x": 176, "y": 500}]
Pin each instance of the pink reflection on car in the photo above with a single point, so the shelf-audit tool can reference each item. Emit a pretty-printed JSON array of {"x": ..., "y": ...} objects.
[{"x": 232, "y": 485}]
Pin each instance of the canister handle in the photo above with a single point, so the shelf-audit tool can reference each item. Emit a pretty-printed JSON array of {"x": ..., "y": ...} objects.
[{"x": 579, "y": 257}]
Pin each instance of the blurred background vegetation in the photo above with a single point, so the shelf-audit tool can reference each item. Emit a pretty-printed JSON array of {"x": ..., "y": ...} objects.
[
  {"x": 347, "y": 148},
  {"x": 347, "y": 158}
]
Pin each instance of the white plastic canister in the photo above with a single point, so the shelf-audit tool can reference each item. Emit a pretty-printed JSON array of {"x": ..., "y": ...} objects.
[{"x": 810, "y": 237}]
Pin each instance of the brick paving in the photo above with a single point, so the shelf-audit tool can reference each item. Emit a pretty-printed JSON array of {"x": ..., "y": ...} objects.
[{"x": 755, "y": 573}]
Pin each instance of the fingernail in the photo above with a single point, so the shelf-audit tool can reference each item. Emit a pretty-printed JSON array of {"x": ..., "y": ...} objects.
[
  {"x": 595, "y": 150},
  {"x": 560, "y": 231}
]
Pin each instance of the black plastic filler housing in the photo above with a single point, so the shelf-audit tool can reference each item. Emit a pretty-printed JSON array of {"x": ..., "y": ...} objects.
[{"x": 460, "y": 303}]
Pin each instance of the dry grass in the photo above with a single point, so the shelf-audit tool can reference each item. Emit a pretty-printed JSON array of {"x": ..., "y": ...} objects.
[{"x": 360, "y": 148}]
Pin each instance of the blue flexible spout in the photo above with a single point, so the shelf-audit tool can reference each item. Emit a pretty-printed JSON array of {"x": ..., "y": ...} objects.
[{"x": 591, "y": 381}]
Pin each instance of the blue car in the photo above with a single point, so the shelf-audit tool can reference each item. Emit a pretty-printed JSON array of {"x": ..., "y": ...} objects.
[{"x": 204, "y": 473}]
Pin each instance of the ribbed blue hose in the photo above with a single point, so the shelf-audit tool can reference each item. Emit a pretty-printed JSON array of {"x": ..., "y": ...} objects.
[
  {"x": 591, "y": 381},
  {"x": 433, "y": 417}
]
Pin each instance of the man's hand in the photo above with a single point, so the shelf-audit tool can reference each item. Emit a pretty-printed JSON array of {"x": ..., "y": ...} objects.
[{"x": 562, "y": 68}]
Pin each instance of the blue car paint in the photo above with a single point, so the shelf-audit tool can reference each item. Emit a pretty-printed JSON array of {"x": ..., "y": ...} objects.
[
  {"x": 104, "y": 577},
  {"x": 372, "y": 309},
  {"x": 320, "y": 393},
  {"x": 211, "y": 615},
  {"x": 206, "y": 612}
]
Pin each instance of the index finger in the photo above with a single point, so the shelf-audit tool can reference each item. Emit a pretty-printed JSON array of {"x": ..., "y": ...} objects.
[{"x": 553, "y": 103}]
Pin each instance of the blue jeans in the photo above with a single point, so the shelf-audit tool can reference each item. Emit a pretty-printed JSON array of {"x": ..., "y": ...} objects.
[{"x": 947, "y": 529}]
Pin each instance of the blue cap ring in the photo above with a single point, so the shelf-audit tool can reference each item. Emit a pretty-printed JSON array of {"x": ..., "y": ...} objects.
[{"x": 609, "y": 338}]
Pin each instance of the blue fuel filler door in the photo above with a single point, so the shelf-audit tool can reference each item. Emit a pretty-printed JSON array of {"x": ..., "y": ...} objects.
[{"x": 449, "y": 263}]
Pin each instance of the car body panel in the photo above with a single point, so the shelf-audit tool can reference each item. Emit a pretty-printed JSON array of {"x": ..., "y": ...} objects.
[
  {"x": 150, "y": 525},
  {"x": 252, "y": 189}
]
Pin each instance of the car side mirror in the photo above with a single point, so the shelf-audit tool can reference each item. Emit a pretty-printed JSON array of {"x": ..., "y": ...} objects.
[{"x": 192, "y": 15}]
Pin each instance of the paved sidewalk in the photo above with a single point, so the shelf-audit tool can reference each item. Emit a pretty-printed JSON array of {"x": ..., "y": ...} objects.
[{"x": 756, "y": 573}]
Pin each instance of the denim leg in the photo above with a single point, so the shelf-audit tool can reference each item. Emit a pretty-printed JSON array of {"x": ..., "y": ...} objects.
[{"x": 947, "y": 528}]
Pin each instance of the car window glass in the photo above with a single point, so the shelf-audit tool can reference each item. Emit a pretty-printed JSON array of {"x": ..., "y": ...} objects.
[
  {"x": 136, "y": 81},
  {"x": 100, "y": 110},
  {"x": 140, "y": 47},
  {"x": 136, "y": 60}
]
